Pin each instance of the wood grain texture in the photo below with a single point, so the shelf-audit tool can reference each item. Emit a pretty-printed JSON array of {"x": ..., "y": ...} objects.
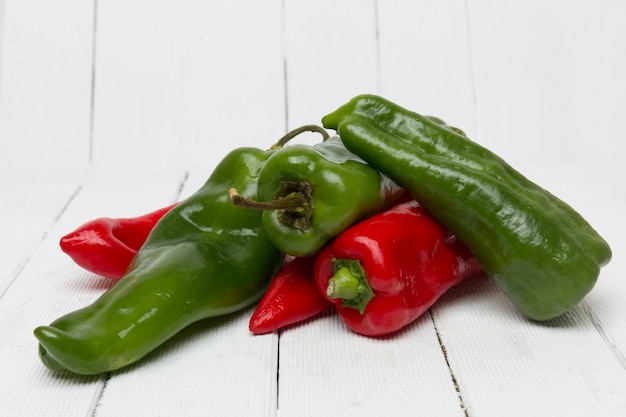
[{"x": 117, "y": 108}]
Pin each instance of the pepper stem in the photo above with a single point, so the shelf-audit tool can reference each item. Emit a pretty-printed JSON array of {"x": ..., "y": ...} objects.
[
  {"x": 349, "y": 283},
  {"x": 294, "y": 200},
  {"x": 292, "y": 134}
]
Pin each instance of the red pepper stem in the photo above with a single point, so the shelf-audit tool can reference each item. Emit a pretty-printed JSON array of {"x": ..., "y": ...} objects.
[{"x": 349, "y": 283}]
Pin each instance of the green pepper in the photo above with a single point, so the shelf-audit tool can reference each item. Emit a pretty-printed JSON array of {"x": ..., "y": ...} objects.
[
  {"x": 206, "y": 257},
  {"x": 539, "y": 251},
  {"x": 310, "y": 194}
]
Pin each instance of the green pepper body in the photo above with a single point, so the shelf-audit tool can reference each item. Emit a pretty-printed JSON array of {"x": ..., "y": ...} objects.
[
  {"x": 343, "y": 189},
  {"x": 206, "y": 257},
  {"x": 539, "y": 251}
]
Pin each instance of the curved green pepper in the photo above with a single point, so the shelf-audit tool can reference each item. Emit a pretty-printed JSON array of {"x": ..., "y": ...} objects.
[
  {"x": 312, "y": 193},
  {"x": 204, "y": 258},
  {"x": 539, "y": 251}
]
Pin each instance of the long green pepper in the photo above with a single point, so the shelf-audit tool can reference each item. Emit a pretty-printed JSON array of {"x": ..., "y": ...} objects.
[
  {"x": 206, "y": 257},
  {"x": 539, "y": 251}
]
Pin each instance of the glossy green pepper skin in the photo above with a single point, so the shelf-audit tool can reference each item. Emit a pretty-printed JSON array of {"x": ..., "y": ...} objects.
[
  {"x": 204, "y": 258},
  {"x": 539, "y": 251},
  {"x": 331, "y": 189}
]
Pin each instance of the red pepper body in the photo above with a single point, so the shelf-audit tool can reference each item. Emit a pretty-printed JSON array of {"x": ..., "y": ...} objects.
[
  {"x": 291, "y": 297},
  {"x": 397, "y": 264},
  {"x": 106, "y": 246}
]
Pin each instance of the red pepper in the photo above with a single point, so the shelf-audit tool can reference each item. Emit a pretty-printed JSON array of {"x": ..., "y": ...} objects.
[
  {"x": 291, "y": 298},
  {"x": 106, "y": 246},
  {"x": 384, "y": 272}
]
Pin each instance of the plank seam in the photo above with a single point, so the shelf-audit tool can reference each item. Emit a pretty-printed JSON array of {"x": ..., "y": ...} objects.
[
  {"x": 98, "y": 395},
  {"x": 285, "y": 72},
  {"x": 27, "y": 258},
  {"x": 181, "y": 186},
  {"x": 613, "y": 347},
  {"x": 378, "y": 54},
  {"x": 453, "y": 377},
  {"x": 472, "y": 73},
  {"x": 277, "y": 370},
  {"x": 93, "y": 81}
]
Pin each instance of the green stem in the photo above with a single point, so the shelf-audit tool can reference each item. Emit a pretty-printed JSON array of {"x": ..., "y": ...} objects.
[
  {"x": 292, "y": 134},
  {"x": 294, "y": 201},
  {"x": 349, "y": 283}
]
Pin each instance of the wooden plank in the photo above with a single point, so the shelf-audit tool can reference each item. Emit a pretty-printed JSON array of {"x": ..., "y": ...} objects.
[
  {"x": 425, "y": 59},
  {"x": 231, "y": 93},
  {"x": 234, "y": 92},
  {"x": 330, "y": 56},
  {"x": 213, "y": 366},
  {"x": 549, "y": 86},
  {"x": 603, "y": 208},
  {"x": 546, "y": 74},
  {"x": 2, "y": 26},
  {"x": 529, "y": 71},
  {"x": 325, "y": 370},
  {"x": 45, "y": 89},
  {"x": 50, "y": 285},
  {"x": 178, "y": 86},
  {"x": 503, "y": 362},
  {"x": 28, "y": 212}
]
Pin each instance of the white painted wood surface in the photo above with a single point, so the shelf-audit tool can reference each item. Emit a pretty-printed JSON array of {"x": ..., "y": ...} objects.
[{"x": 115, "y": 108}]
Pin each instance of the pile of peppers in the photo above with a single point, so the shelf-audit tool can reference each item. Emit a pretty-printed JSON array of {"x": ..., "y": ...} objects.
[{"x": 375, "y": 222}]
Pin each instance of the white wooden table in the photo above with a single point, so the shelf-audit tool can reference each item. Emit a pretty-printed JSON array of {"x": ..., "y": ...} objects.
[{"x": 115, "y": 108}]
